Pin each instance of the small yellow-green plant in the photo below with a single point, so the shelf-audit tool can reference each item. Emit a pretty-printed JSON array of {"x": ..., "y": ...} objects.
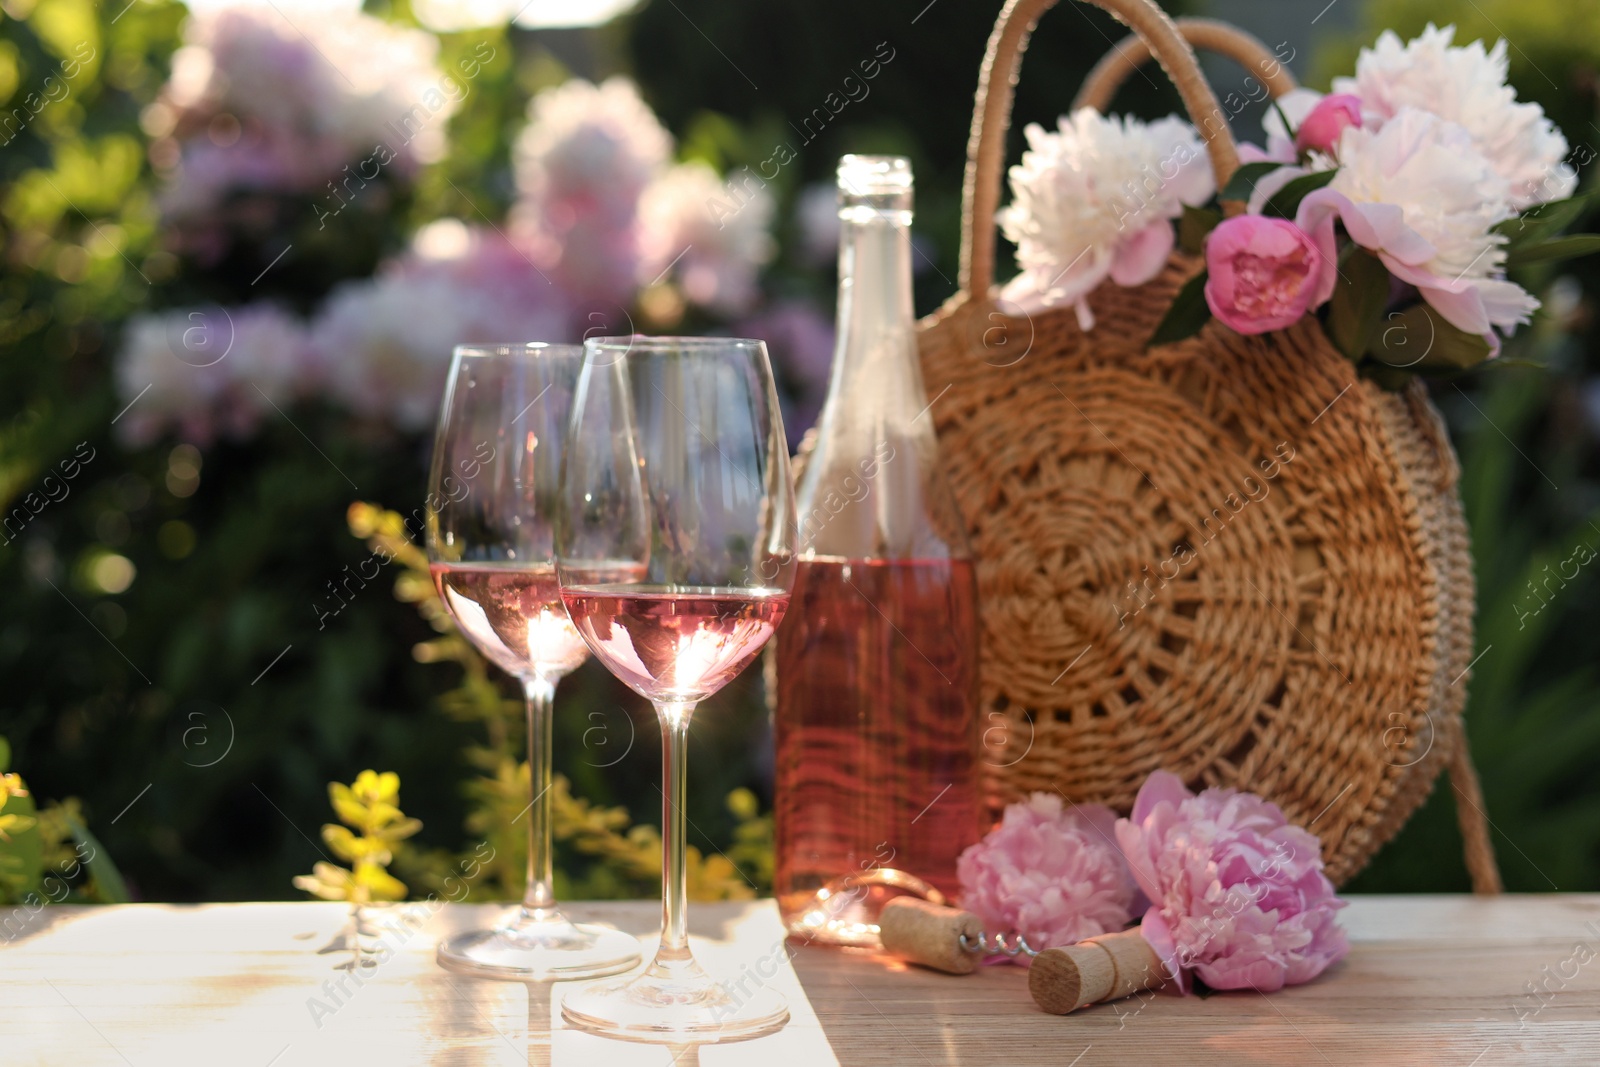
[
  {"x": 47, "y": 855},
  {"x": 627, "y": 856},
  {"x": 369, "y": 808}
]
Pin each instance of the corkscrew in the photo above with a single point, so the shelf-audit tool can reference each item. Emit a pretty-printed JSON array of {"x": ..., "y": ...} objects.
[
  {"x": 1061, "y": 980},
  {"x": 920, "y": 928}
]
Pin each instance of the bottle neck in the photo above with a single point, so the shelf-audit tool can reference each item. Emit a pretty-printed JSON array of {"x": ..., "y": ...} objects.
[
  {"x": 872, "y": 488},
  {"x": 875, "y": 364}
]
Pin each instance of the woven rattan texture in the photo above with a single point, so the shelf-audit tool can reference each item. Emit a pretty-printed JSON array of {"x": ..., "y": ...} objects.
[{"x": 1212, "y": 557}]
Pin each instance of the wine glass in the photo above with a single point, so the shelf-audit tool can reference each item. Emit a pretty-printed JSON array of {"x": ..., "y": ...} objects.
[
  {"x": 676, "y": 462},
  {"x": 491, "y": 511}
]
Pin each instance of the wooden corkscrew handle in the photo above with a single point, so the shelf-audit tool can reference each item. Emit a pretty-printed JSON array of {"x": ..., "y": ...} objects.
[
  {"x": 1103, "y": 968},
  {"x": 1061, "y": 980}
]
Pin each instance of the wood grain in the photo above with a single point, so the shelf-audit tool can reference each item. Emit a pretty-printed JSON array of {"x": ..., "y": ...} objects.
[
  {"x": 1429, "y": 980},
  {"x": 1434, "y": 980}
]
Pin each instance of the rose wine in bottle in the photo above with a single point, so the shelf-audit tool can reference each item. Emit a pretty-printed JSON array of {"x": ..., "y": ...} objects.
[{"x": 877, "y": 660}]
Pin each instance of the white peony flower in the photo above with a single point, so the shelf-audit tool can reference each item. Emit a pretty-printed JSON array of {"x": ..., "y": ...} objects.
[
  {"x": 384, "y": 343},
  {"x": 1419, "y": 193},
  {"x": 714, "y": 236},
  {"x": 1095, "y": 200},
  {"x": 1467, "y": 85},
  {"x": 209, "y": 371},
  {"x": 582, "y": 162}
]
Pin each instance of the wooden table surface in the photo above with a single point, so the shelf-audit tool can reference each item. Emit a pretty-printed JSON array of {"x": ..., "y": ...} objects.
[{"x": 1429, "y": 980}]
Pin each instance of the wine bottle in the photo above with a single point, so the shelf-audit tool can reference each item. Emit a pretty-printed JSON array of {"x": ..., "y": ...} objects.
[{"x": 877, "y": 661}]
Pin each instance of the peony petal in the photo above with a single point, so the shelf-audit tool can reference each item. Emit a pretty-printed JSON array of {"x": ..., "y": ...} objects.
[
  {"x": 1376, "y": 227},
  {"x": 1141, "y": 257},
  {"x": 1322, "y": 236},
  {"x": 1158, "y": 935},
  {"x": 1462, "y": 307},
  {"x": 1130, "y": 839},
  {"x": 1160, "y": 786}
]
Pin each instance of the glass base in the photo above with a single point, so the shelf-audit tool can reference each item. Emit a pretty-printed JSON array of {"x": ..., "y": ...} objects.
[
  {"x": 676, "y": 1001},
  {"x": 540, "y": 948}
]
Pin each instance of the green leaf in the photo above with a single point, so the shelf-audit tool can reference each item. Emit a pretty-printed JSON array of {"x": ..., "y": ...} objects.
[
  {"x": 1557, "y": 248},
  {"x": 1188, "y": 313},
  {"x": 1243, "y": 182},
  {"x": 1359, "y": 296},
  {"x": 108, "y": 883},
  {"x": 5, "y": 754},
  {"x": 1286, "y": 201},
  {"x": 1390, "y": 379},
  {"x": 1193, "y": 227},
  {"x": 22, "y": 852},
  {"x": 1543, "y": 221},
  {"x": 1288, "y": 126},
  {"x": 1420, "y": 339}
]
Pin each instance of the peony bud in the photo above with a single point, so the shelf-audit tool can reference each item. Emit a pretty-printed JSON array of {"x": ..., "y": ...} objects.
[{"x": 1320, "y": 130}]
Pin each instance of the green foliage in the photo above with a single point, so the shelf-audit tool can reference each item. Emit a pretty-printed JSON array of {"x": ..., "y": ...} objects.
[
  {"x": 1187, "y": 316},
  {"x": 48, "y": 855},
  {"x": 373, "y": 827},
  {"x": 1356, "y": 307}
]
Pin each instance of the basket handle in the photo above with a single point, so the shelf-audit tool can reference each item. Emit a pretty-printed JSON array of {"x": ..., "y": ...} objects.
[
  {"x": 1207, "y": 35},
  {"x": 991, "y": 116}
]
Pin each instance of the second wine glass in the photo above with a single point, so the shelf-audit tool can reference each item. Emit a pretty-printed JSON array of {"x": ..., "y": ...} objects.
[
  {"x": 676, "y": 463},
  {"x": 490, "y": 519}
]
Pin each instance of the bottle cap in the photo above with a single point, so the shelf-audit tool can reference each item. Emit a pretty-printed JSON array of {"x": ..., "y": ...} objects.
[{"x": 870, "y": 175}]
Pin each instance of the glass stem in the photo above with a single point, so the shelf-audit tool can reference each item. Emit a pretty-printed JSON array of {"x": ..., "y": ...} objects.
[
  {"x": 674, "y": 878},
  {"x": 539, "y": 899}
]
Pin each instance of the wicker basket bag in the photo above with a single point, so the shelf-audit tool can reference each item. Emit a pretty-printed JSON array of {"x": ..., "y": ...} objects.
[{"x": 1228, "y": 557}]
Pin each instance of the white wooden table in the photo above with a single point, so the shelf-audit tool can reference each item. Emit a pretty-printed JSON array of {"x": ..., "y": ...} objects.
[{"x": 1430, "y": 980}]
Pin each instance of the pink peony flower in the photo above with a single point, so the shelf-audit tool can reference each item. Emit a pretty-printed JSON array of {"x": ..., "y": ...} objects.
[
  {"x": 1053, "y": 876},
  {"x": 1236, "y": 892},
  {"x": 1265, "y": 273},
  {"x": 1319, "y": 131}
]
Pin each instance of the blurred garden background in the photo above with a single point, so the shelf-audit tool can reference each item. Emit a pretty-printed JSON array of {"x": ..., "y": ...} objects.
[{"x": 240, "y": 240}]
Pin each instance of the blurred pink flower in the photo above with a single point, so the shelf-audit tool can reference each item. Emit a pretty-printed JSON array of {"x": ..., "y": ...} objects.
[
  {"x": 712, "y": 235},
  {"x": 258, "y": 103},
  {"x": 1053, "y": 876},
  {"x": 1319, "y": 131},
  {"x": 206, "y": 372},
  {"x": 1264, "y": 273},
  {"x": 1236, "y": 892},
  {"x": 383, "y": 344},
  {"x": 582, "y": 162}
]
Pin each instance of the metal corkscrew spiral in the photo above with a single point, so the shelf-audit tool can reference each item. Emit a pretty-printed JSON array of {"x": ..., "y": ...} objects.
[{"x": 998, "y": 945}]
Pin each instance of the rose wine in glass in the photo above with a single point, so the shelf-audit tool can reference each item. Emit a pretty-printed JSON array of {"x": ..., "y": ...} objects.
[
  {"x": 490, "y": 518},
  {"x": 876, "y": 783},
  {"x": 676, "y": 461}
]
